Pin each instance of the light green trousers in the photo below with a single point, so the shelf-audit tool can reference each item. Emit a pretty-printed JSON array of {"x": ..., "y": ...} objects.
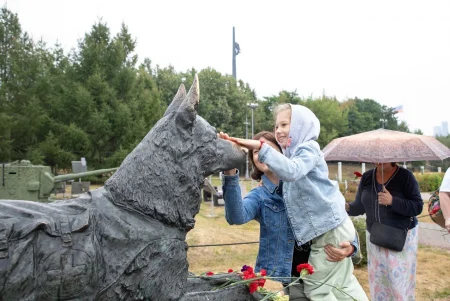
[{"x": 331, "y": 280}]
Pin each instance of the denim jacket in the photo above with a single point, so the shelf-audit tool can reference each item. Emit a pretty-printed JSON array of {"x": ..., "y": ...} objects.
[
  {"x": 264, "y": 204},
  {"x": 314, "y": 204}
]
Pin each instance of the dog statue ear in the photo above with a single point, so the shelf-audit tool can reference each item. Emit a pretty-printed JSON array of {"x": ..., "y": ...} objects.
[
  {"x": 177, "y": 100},
  {"x": 187, "y": 112}
]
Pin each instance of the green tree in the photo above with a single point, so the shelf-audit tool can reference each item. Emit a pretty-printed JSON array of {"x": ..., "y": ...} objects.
[
  {"x": 10, "y": 54},
  {"x": 367, "y": 115},
  {"x": 223, "y": 102},
  {"x": 167, "y": 81},
  {"x": 52, "y": 153},
  {"x": 23, "y": 73},
  {"x": 333, "y": 120},
  {"x": 117, "y": 102}
]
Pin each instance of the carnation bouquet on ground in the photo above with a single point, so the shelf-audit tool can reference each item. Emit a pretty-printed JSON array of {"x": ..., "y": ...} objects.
[{"x": 256, "y": 281}]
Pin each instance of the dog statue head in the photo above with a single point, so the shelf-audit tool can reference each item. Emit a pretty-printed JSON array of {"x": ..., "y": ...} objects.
[{"x": 162, "y": 177}]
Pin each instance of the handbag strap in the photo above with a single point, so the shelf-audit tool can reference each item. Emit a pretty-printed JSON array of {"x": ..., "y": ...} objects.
[{"x": 377, "y": 204}]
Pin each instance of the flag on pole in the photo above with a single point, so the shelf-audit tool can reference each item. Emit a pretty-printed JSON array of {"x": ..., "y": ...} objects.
[{"x": 398, "y": 109}]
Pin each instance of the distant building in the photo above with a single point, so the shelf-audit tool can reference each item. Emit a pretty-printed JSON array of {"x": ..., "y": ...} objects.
[
  {"x": 444, "y": 128},
  {"x": 437, "y": 131}
]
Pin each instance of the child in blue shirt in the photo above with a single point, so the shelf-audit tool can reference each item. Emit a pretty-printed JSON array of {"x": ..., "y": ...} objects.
[{"x": 314, "y": 205}]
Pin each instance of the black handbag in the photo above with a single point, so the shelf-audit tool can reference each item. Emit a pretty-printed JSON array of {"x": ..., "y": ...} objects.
[{"x": 386, "y": 236}]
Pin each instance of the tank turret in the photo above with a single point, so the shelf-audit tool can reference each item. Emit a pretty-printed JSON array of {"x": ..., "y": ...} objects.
[{"x": 21, "y": 180}]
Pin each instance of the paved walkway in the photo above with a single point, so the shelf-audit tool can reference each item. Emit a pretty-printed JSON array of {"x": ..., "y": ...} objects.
[{"x": 431, "y": 234}]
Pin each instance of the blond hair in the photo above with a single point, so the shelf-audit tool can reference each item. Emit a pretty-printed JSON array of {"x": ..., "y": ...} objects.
[{"x": 280, "y": 108}]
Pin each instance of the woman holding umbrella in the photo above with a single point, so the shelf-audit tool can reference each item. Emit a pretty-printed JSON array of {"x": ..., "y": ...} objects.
[{"x": 389, "y": 196}]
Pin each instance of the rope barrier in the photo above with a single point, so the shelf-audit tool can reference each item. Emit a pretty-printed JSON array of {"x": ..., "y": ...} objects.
[{"x": 229, "y": 244}]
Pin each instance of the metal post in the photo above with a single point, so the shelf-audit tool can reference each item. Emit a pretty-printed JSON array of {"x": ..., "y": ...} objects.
[
  {"x": 363, "y": 168},
  {"x": 212, "y": 214},
  {"x": 252, "y": 106},
  {"x": 246, "y": 126},
  {"x": 253, "y": 130},
  {"x": 246, "y": 157}
]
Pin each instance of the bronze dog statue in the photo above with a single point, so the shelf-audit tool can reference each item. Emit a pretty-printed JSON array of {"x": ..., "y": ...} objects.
[{"x": 126, "y": 240}]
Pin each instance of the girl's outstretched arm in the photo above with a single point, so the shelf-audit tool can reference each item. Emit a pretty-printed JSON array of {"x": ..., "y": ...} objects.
[{"x": 290, "y": 169}]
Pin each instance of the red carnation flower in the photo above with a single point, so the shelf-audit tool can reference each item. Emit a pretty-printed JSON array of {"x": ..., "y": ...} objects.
[
  {"x": 253, "y": 286},
  {"x": 230, "y": 271},
  {"x": 209, "y": 273},
  {"x": 263, "y": 272},
  {"x": 261, "y": 282},
  {"x": 305, "y": 267},
  {"x": 249, "y": 275},
  {"x": 358, "y": 174}
]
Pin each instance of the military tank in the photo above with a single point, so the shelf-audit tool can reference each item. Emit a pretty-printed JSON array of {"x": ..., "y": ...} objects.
[{"x": 21, "y": 180}]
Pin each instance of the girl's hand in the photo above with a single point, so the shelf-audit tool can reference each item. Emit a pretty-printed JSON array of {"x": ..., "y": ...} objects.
[
  {"x": 247, "y": 143},
  {"x": 223, "y": 136}
]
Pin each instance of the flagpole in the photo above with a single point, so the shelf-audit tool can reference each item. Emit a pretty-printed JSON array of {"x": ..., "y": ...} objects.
[{"x": 234, "y": 56}]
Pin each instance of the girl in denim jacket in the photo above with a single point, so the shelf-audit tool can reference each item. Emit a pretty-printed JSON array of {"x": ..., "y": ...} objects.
[
  {"x": 277, "y": 253},
  {"x": 314, "y": 205}
]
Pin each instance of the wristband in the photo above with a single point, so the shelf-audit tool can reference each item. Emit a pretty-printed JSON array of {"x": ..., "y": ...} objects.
[{"x": 261, "y": 143}]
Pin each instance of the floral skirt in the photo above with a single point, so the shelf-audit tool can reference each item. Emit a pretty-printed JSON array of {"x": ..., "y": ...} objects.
[{"x": 392, "y": 275}]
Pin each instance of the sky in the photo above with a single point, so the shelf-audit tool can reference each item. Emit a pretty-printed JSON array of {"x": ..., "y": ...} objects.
[{"x": 394, "y": 52}]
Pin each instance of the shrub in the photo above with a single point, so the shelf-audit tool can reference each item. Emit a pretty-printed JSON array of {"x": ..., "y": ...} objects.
[
  {"x": 429, "y": 181},
  {"x": 360, "y": 226}
]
